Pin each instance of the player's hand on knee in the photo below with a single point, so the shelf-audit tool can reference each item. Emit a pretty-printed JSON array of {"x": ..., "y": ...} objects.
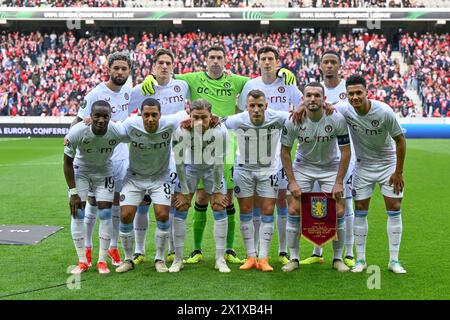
[
  {"x": 148, "y": 86},
  {"x": 75, "y": 204},
  {"x": 338, "y": 191},
  {"x": 329, "y": 109},
  {"x": 295, "y": 190},
  {"x": 397, "y": 181},
  {"x": 182, "y": 202},
  {"x": 219, "y": 201},
  {"x": 288, "y": 75}
]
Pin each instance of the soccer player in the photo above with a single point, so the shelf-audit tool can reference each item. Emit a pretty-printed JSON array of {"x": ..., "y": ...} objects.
[
  {"x": 221, "y": 90},
  {"x": 200, "y": 154},
  {"x": 317, "y": 160},
  {"x": 117, "y": 93},
  {"x": 282, "y": 97},
  {"x": 87, "y": 166},
  {"x": 258, "y": 134},
  {"x": 150, "y": 136},
  {"x": 172, "y": 95},
  {"x": 374, "y": 129},
  {"x": 335, "y": 92}
]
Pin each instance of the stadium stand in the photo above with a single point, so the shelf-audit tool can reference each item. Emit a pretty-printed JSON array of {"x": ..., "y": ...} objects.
[
  {"x": 47, "y": 74},
  {"x": 231, "y": 3}
]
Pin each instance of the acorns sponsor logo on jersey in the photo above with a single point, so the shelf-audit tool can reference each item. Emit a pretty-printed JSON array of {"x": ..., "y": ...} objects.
[
  {"x": 165, "y": 135},
  {"x": 177, "y": 88},
  {"x": 375, "y": 123},
  {"x": 126, "y": 96},
  {"x": 343, "y": 96},
  {"x": 112, "y": 142},
  {"x": 281, "y": 90},
  {"x": 328, "y": 128},
  {"x": 227, "y": 85}
]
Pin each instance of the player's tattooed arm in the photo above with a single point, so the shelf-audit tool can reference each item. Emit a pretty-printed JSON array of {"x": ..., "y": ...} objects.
[
  {"x": 338, "y": 188},
  {"x": 287, "y": 165},
  {"x": 397, "y": 177},
  {"x": 75, "y": 121},
  {"x": 75, "y": 201}
]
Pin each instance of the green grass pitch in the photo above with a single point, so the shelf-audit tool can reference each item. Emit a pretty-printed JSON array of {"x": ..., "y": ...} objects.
[{"x": 33, "y": 191}]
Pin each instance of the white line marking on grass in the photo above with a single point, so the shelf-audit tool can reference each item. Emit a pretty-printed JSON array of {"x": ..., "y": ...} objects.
[{"x": 30, "y": 164}]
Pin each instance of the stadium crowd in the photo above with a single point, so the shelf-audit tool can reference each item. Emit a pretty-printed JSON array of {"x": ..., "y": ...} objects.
[
  {"x": 47, "y": 74},
  {"x": 429, "y": 59},
  {"x": 220, "y": 3}
]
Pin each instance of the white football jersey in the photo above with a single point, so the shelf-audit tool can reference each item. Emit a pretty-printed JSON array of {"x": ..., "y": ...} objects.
[
  {"x": 317, "y": 141},
  {"x": 257, "y": 145},
  {"x": 278, "y": 95},
  {"x": 93, "y": 153},
  {"x": 119, "y": 102},
  {"x": 372, "y": 133},
  {"x": 150, "y": 152},
  {"x": 336, "y": 94},
  {"x": 201, "y": 153},
  {"x": 171, "y": 96}
]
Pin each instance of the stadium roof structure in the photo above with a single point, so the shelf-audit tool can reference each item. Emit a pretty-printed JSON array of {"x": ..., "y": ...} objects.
[{"x": 226, "y": 14}]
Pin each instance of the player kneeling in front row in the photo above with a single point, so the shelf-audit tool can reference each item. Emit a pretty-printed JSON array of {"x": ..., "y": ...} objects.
[
  {"x": 317, "y": 159},
  {"x": 92, "y": 147},
  {"x": 200, "y": 152},
  {"x": 150, "y": 142}
]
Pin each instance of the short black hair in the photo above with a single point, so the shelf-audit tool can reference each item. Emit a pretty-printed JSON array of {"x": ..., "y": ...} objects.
[
  {"x": 315, "y": 85},
  {"x": 215, "y": 48},
  {"x": 331, "y": 52},
  {"x": 119, "y": 56},
  {"x": 101, "y": 103},
  {"x": 256, "y": 94},
  {"x": 201, "y": 104},
  {"x": 160, "y": 52},
  {"x": 355, "y": 80},
  {"x": 266, "y": 49},
  {"x": 151, "y": 102}
]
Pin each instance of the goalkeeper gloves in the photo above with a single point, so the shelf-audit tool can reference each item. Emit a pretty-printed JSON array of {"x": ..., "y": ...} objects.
[
  {"x": 148, "y": 86},
  {"x": 289, "y": 77}
]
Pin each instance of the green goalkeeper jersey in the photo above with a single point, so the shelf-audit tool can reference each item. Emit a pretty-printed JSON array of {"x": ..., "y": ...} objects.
[{"x": 221, "y": 93}]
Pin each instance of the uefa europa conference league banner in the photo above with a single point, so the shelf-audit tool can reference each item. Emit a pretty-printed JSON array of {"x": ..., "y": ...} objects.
[
  {"x": 30, "y": 129},
  {"x": 411, "y": 14},
  {"x": 34, "y": 130}
]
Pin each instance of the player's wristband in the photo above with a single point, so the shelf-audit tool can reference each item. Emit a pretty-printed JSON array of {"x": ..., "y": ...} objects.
[{"x": 73, "y": 192}]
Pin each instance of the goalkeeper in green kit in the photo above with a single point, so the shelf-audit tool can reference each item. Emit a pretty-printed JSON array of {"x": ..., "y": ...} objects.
[{"x": 221, "y": 90}]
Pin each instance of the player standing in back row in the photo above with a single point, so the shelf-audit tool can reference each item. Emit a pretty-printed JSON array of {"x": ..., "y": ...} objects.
[
  {"x": 280, "y": 97},
  {"x": 221, "y": 90}
]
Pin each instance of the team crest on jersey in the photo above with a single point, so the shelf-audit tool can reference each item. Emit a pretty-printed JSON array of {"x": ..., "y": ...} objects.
[
  {"x": 177, "y": 88},
  {"x": 343, "y": 96},
  {"x": 281, "y": 90},
  {"x": 112, "y": 142},
  {"x": 375, "y": 123},
  {"x": 126, "y": 96},
  {"x": 319, "y": 207},
  {"x": 328, "y": 128},
  {"x": 122, "y": 197},
  {"x": 165, "y": 135},
  {"x": 227, "y": 85},
  {"x": 237, "y": 189},
  {"x": 271, "y": 127},
  {"x": 83, "y": 104}
]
